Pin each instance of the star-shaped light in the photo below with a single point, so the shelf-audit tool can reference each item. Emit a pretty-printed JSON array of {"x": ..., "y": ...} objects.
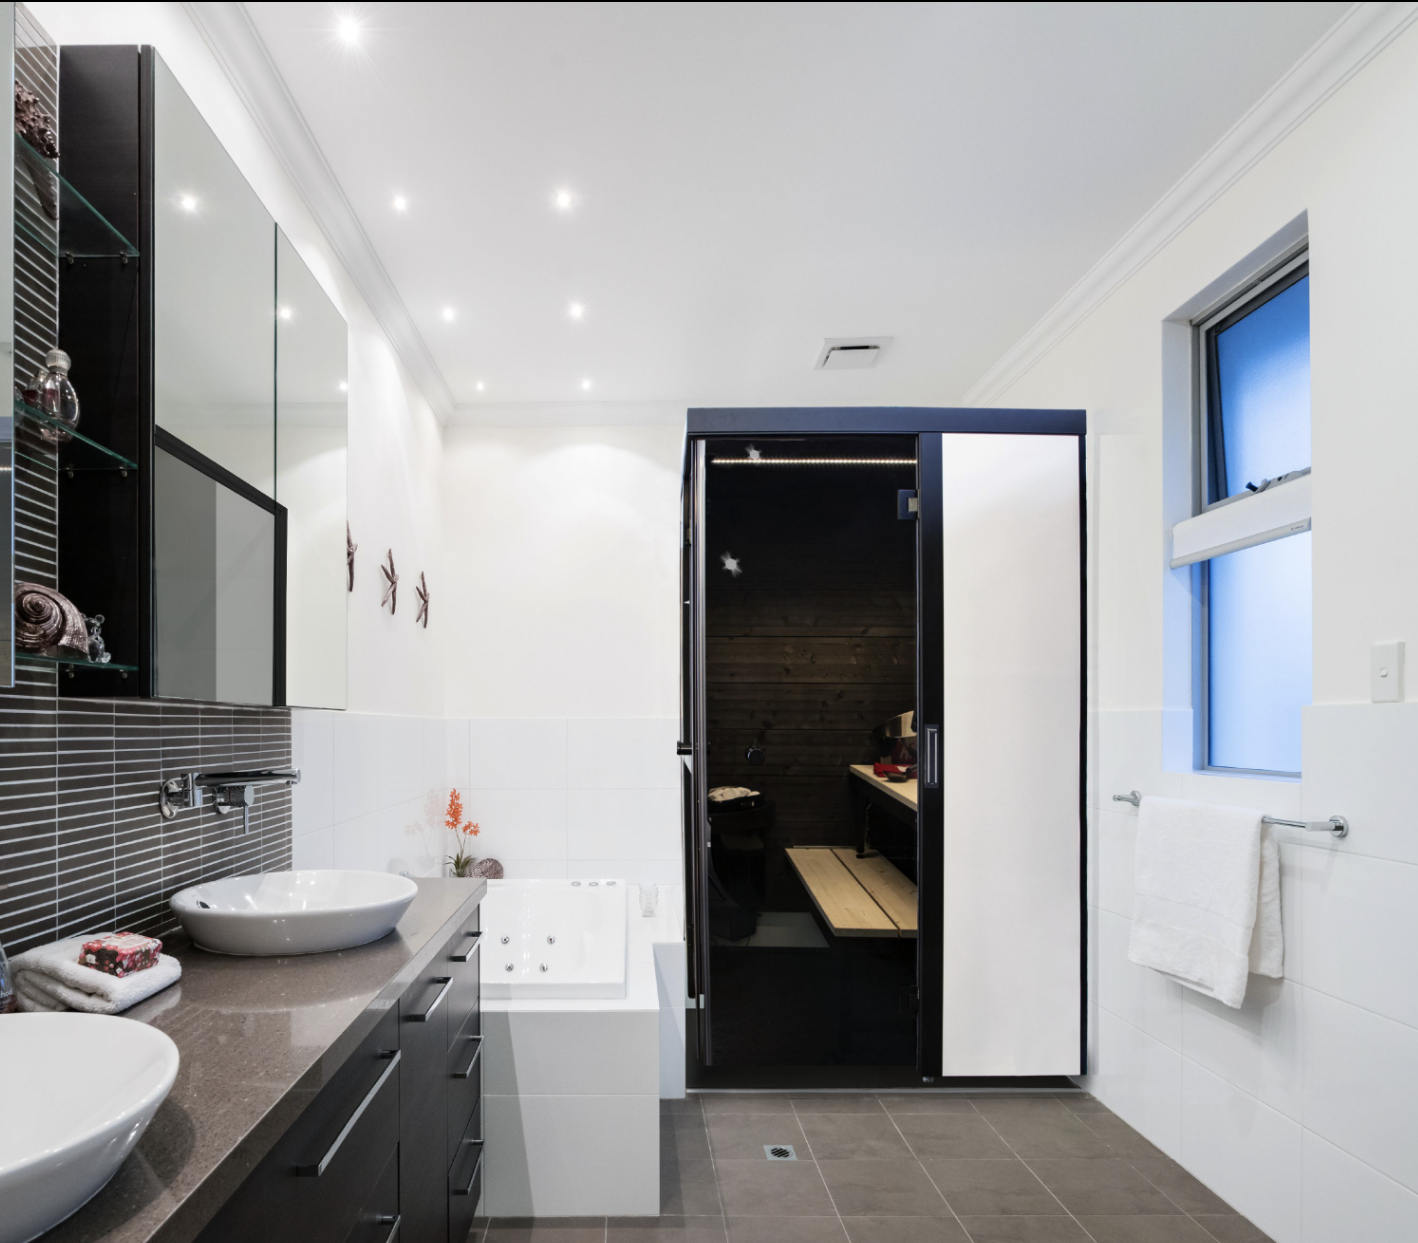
[
  {"x": 732, "y": 564},
  {"x": 391, "y": 585},
  {"x": 421, "y": 591}
]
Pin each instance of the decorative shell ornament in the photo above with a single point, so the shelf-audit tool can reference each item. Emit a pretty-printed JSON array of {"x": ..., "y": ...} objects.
[
  {"x": 421, "y": 591},
  {"x": 487, "y": 869},
  {"x": 48, "y": 623},
  {"x": 391, "y": 584},
  {"x": 350, "y": 548}
]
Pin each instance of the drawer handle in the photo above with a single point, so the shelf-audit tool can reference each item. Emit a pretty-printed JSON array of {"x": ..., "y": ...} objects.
[
  {"x": 447, "y": 982},
  {"x": 393, "y": 1224},
  {"x": 472, "y": 1178},
  {"x": 314, "y": 1171},
  {"x": 467, "y": 1071},
  {"x": 464, "y": 955}
]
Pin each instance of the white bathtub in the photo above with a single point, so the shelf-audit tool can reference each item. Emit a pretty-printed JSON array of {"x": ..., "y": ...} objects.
[{"x": 554, "y": 938}]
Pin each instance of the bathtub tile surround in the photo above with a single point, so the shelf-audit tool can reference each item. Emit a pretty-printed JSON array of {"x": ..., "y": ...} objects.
[
  {"x": 555, "y": 798},
  {"x": 83, "y": 847}
]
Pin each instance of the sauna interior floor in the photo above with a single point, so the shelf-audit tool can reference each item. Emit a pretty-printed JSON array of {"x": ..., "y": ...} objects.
[{"x": 905, "y": 1169}]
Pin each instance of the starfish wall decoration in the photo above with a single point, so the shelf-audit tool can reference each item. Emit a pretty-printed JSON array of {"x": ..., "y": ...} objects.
[
  {"x": 391, "y": 585},
  {"x": 350, "y": 547},
  {"x": 421, "y": 591}
]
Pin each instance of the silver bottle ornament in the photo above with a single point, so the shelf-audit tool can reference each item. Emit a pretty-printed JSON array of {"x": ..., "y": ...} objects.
[{"x": 56, "y": 397}]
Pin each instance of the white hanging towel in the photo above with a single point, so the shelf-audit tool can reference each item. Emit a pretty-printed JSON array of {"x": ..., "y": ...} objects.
[{"x": 1207, "y": 896}]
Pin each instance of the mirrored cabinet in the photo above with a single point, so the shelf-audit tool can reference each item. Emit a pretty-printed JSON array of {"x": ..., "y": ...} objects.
[{"x": 198, "y": 503}]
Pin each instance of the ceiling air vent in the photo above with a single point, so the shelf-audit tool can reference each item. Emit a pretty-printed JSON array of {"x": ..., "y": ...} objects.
[{"x": 850, "y": 353}]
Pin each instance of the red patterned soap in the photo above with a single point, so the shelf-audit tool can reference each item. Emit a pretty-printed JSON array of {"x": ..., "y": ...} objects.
[{"x": 121, "y": 953}]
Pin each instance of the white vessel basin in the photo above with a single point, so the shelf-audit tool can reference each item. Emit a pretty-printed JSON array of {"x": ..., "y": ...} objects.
[
  {"x": 80, "y": 1089},
  {"x": 281, "y": 913}
]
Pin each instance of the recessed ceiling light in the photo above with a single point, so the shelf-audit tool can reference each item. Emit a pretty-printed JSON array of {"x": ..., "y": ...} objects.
[
  {"x": 349, "y": 30},
  {"x": 564, "y": 200},
  {"x": 576, "y": 311},
  {"x": 481, "y": 386},
  {"x": 344, "y": 387},
  {"x": 449, "y": 314},
  {"x": 401, "y": 203},
  {"x": 585, "y": 386},
  {"x": 189, "y": 203},
  {"x": 285, "y": 312}
]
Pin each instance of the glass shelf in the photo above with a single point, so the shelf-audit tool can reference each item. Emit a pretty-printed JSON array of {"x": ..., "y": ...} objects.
[
  {"x": 83, "y": 231},
  {"x": 74, "y": 662},
  {"x": 80, "y": 453}
]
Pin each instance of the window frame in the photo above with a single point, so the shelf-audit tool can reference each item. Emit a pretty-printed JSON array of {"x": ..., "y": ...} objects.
[{"x": 1208, "y": 450}]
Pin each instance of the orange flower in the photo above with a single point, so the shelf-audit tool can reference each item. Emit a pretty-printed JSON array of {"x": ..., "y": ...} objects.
[{"x": 454, "y": 819}]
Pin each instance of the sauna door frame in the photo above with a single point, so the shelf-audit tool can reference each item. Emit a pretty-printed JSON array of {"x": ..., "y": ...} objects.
[{"x": 929, "y": 426}]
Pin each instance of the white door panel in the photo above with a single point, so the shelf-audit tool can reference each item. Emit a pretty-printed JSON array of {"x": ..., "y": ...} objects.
[{"x": 1010, "y": 756}]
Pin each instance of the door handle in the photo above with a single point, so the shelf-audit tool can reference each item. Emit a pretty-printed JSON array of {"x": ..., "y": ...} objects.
[
  {"x": 930, "y": 758},
  {"x": 684, "y": 748},
  {"x": 464, "y": 955},
  {"x": 314, "y": 1171},
  {"x": 447, "y": 982}
]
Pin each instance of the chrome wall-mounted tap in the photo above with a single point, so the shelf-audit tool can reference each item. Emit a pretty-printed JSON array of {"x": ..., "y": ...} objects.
[{"x": 230, "y": 791}]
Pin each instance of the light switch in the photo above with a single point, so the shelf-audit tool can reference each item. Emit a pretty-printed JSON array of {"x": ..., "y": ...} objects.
[{"x": 1386, "y": 673}]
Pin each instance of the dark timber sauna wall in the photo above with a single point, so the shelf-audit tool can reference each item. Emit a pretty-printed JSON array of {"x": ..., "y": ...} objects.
[{"x": 813, "y": 645}]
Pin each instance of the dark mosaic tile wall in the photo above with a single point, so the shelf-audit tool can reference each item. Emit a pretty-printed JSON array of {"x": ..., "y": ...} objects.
[{"x": 83, "y": 846}]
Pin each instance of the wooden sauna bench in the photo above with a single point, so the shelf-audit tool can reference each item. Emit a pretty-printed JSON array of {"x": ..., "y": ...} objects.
[{"x": 856, "y": 897}]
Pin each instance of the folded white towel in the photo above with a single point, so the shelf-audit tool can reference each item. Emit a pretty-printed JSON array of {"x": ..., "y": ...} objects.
[
  {"x": 50, "y": 977},
  {"x": 1207, "y": 884}
]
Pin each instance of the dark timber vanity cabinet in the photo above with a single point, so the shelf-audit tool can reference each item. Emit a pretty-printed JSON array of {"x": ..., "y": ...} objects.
[{"x": 390, "y": 1150}]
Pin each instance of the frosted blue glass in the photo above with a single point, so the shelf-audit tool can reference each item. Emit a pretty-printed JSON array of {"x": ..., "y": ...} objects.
[
  {"x": 1263, "y": 366},
  {"x": 1259, "y": 659}
]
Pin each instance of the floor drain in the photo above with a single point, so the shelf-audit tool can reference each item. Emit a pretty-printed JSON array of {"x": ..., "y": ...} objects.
[{"x": 779, "y": 1152}]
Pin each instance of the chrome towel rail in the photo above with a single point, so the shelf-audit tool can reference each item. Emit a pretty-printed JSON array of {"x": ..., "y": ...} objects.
[{"x": 1335, "y": 826}]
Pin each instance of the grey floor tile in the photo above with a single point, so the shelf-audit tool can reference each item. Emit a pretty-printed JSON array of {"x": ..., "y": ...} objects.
[
  {"x": 683, "y": 1139},
  {"x": 951, "y": 1136},
  {"x": 1124, "y": 1229},
  {"x": 1232, "y": 1228},
  {"x": 1062, "y": 1135},
  {"x": 992, "y": 1188},
  {"x": 905, "y": 1230},
  {"x": 1120, "y": 1137},
  {"x": 688, "y": 1187},
  {"x": 772, "y": 1189},
  {"x": 786, "y": 1230},
  {"x": 1083, "y": 1104},
  {"x": 1095, "y": 1187},
  {"x": 741, "y": 1137},
  {"x": 547, "y": 1230},
  {"x": 837, "y": 1103},
  {"x": 1019, "y": 1106},
  {"x": 882, "y": 1189},
  {"x": 665, "y": 1230},
  {"x": 1186, "y": 1192},
  {"x": 689, "y": 1106},
  {"x": 927, "y": 1103},
  {"x": 745, "y": 1103},
  {"x": 848, "y": 1137},
  {"x": 1024, "y": 1230}
]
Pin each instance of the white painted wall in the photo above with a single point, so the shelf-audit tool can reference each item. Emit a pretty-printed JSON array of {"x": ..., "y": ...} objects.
[
  {"x": 394, "y": 439},
  {"x": 1301, "y": 1109}
]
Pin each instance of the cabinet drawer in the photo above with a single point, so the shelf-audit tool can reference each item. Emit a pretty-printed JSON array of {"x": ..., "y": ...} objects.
[
  {"x": 379, "y": 1219},
  {"x": 465, "y": 1074},
  {"x": 463, "y": 961},
  {"x": 465, "y": 1181},
  {"x": 323, "y": 1168},
  {"x": 423, "y": 1141}
]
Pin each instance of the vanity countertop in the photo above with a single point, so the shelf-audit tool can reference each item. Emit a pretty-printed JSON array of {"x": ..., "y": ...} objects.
[{"x": 259, "y": 1037}]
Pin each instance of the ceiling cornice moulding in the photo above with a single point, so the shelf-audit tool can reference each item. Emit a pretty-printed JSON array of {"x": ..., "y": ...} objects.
[
  {"x": 242, "y": 54},
  {"x": 1354, "y": 40}
]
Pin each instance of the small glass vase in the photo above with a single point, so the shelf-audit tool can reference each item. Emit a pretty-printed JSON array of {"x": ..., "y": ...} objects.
[{"x": 55, "y": 395}]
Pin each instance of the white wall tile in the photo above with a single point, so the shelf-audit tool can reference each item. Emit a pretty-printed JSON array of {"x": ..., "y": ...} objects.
[
  {"x": 1292, "y": 905},
  {"x": 1140, "y": 1079},
  {"x": 1359, "y": 763},
  {"x": 356, "y": 765},
  {"x": 433, "y": 752},
  {"x": 531, "y": 869},
  {"x": 571, "y": 1053},
  {"x": 625, "y": 753},
  {"x": 1138, "y": 995},
  {"x": 1117, "y": 850},
  {"x": 412, "y": 834},
  {"x": 1360, "y": 917},
  {"x": 623, "y": 824},
  {"x": 1255, "y": 1048},
  {"x": 313, "y": 800},
  {"x": 1246, "y": 1152},
  {"x": 1345, "y": 1201},
  {"x": 400, "y": 761},
  {"x": 517, "y": 754},
  {"x": 634, "y": 871},
  {"x": 313, "y": 850},
  {"x": 518, "y": 824},
  {"x": 1361, "y": 1084},
  {"x": 355, "y": 843},
  {"x": 572, "y": 1156},
  {"x": 456, "y": 742}
]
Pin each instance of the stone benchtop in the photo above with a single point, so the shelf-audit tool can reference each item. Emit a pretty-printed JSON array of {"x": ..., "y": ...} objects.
[{"x": 258, "y": 1037}]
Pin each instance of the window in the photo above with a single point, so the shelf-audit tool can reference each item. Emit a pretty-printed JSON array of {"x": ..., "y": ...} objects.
[{"x": 1251, "y": 539}]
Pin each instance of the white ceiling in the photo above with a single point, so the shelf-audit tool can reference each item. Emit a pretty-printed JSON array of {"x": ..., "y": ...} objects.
[{"x": 753, "y": 178}]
